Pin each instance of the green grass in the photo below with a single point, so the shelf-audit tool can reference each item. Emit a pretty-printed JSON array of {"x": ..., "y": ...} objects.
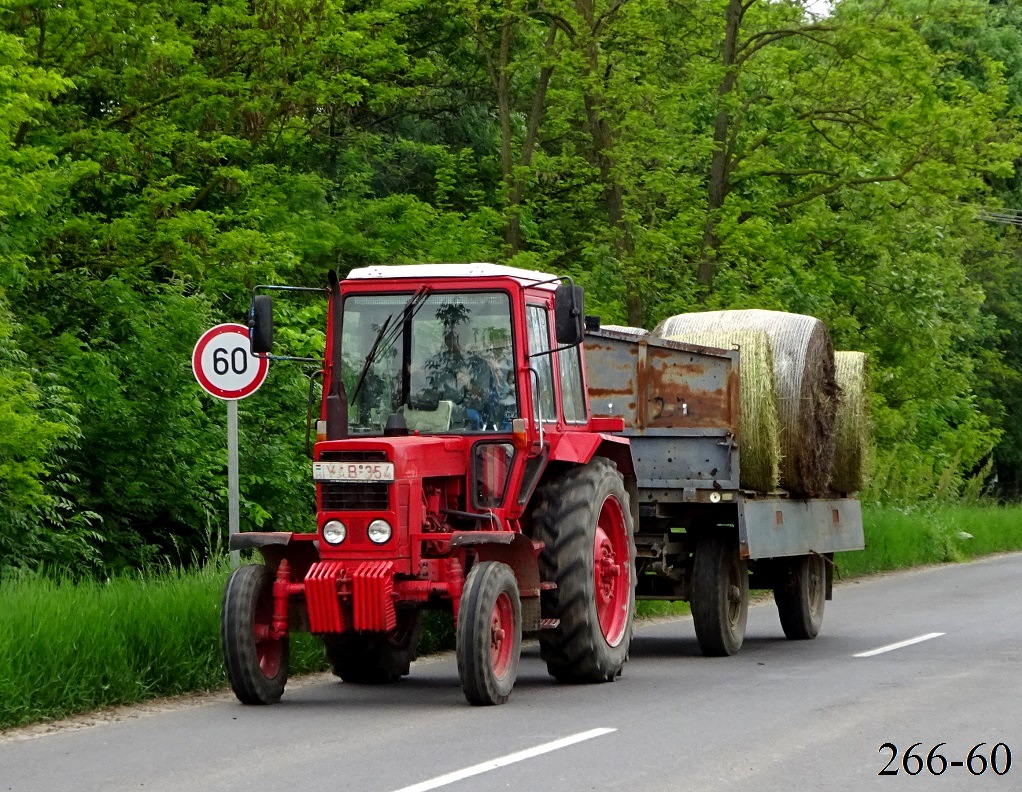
[
  {"x": 73, "y": 647},
  {"x": 897, "y": 539}
]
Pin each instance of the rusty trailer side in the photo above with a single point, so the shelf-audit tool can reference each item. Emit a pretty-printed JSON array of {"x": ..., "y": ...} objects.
[{"x": 680, "y": 407}]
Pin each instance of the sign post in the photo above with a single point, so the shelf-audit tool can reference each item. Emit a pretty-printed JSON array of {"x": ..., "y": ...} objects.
[
  {"x": 225, "y": 367},
  {"x": 233, "y": 495}
]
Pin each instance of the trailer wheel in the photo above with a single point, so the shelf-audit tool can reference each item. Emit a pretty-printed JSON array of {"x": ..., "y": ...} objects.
[
  {"x": 720, "y": 595},
  {"x": 256, "y": 663},
  {"x": 586, "y": 527},
  {"x": 489, "y": 637},
  {"x": 376, "y": 658},
  {"x": 800, "y": 596}
]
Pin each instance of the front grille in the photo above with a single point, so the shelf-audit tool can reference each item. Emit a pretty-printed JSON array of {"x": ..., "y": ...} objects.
[
  {"x": 354, "y": 456},
  {"x": 354, "y": 495}
]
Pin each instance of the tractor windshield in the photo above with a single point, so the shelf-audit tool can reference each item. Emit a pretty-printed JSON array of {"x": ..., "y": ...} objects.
[{"x": 443, "y": 361}]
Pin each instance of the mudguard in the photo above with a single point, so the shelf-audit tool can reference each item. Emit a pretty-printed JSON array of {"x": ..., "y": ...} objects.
[
  {"x": 301, "y": 550},
  {"x": 581, "y": 447}
]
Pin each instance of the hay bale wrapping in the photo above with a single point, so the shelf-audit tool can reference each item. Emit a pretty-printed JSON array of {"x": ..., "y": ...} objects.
[
  {"x": 760, "y": 438},
  {"x": 804, "y": 381},
  {"x": 853, "y": 426},
  {"x": 633, "y": 331}
]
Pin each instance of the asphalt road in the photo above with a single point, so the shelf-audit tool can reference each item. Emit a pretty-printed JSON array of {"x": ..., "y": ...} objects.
[{"x": 781, "y": 715}]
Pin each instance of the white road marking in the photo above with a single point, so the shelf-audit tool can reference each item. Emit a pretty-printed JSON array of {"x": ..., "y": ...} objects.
[
  {"x": 899, "y": 645},
  {"x": 493, "y": 764}
]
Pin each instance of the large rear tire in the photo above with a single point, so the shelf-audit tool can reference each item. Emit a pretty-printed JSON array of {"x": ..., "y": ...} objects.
[
  {"x": 256, "y": 663},
  {"x": 376, "y": 658},
  {"x": 585, "y": 524},
  {"x": 800, "y": 595},
  {"x": 489, "y": 637},
  {"x": 720, "y": 595}
]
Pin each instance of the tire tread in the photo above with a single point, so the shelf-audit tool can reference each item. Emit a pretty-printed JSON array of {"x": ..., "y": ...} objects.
[
  {"x": 576, "y": 650},
  {"x": 241, "y": 658},
  {"x": 484, "y": 584},
  {"x": 713, "y": 557}
]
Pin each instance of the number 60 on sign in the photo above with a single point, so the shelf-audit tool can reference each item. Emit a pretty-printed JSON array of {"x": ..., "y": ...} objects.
[{"x": 224, "y": 364}]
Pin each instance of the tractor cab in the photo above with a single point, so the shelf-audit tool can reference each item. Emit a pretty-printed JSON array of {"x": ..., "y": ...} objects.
[{"x": 454, "y": 402}]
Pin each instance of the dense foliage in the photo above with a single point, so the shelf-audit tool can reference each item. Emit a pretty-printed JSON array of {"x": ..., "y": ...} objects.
[{"x": 161, "y": 158}]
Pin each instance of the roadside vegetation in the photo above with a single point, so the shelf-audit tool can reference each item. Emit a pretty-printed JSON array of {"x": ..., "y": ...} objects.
[
  {"x": 69, "y": 647},
  {"x": 897, "y": 538}
]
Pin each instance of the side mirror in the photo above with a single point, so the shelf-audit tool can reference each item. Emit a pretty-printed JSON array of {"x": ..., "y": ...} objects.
[
  {"x": 568, "y": 314},
  {"x": 260, "y": 324}
]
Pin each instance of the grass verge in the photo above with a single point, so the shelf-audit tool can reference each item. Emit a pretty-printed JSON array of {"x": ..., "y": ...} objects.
[
  {"x": 901, "y": 538},
  {"x": 74, "y": 647}
]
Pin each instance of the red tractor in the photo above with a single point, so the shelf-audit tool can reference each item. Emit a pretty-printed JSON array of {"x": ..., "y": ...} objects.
[{"x": 457, "y": 467}]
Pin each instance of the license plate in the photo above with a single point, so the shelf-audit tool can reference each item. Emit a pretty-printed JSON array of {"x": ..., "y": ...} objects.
[{"x": 353, "y": 471}]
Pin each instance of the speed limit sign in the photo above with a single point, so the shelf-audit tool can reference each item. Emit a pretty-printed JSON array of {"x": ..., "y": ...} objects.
[{"x": 224, "y": 364}]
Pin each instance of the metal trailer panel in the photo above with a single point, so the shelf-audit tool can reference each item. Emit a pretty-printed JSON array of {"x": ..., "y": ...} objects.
[
  {"x": 776, "y": 527},
  {"x": 679, "y": 403}
]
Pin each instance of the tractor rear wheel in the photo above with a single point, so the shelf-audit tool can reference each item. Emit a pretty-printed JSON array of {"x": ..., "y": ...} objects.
[
  {"x": 489, "y": 637},
  {"x": 720, "y": 595},
  {"x": 376, "y": 658},
  {"x": 256, "y": 663},
  {"x": 586, "y": 527},
  {"x": 800, "y": 595}
]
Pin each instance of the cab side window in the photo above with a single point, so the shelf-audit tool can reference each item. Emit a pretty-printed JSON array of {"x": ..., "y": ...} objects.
[
  {"x": 573, "y": 400},
  {"x": 538, "y": 328}
]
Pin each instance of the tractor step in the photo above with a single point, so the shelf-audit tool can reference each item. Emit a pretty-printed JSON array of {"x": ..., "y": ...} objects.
[{"x": 549, "y": 624}]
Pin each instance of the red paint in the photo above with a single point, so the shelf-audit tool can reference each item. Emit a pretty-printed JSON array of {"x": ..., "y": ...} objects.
[
  {"x": 372, "y": 596},
  {"x": 612, "y": 582},
  {"x": 321, "y": 598},
  {"x": 502, "y": 635}
]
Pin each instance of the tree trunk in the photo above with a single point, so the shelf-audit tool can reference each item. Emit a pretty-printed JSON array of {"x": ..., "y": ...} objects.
[
  {"x": 720, "y": 164},
  {"x": 603, "y": 140},
  {"x": 516, "y": 190}
]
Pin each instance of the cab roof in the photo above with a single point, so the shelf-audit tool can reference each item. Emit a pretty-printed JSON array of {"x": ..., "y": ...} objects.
[{"x": 476, "y": 270}]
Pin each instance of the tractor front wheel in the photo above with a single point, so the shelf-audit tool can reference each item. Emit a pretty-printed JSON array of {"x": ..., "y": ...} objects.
[
  {"x": 256, "y": 662},
  {"x": 586, "y": 528},
  {"x": 489, "y": 637}
]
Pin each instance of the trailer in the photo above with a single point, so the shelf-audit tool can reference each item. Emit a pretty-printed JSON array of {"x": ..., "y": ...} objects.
[{"x": 699, "y": 536}]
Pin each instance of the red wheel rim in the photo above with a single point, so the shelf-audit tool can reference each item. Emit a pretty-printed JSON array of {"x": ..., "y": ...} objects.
[
  {"x": 610, "y": 572},
  {"x": 269, "y": 651},
  {"x": 502, "y": 635}
]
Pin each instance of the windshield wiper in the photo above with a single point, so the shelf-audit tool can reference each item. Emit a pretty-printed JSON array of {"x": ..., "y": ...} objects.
[{"x": 384, "y": 339}]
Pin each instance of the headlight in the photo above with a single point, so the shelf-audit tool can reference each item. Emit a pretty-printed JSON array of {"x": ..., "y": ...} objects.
[
  {"x": 334, "y": 532},
  {"x": 379, "y": 531}
]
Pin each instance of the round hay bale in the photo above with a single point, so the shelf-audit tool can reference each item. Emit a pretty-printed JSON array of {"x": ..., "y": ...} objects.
[
  {"x": 852, "y": 427},
  {"x": 807, "y": 393},
  {"x": 759, "y": 430}
]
